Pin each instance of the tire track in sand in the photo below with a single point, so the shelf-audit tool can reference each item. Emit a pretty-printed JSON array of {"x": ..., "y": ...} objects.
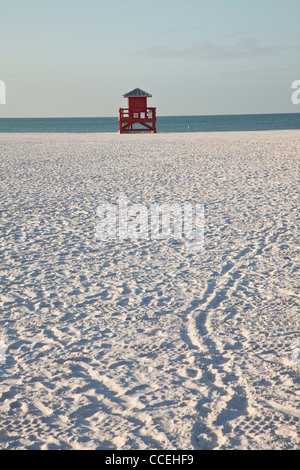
[{"x": 226, "y": 394}]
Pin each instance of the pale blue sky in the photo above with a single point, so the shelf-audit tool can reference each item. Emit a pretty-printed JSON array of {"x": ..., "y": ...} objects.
[{"x": 77, "y": 58}]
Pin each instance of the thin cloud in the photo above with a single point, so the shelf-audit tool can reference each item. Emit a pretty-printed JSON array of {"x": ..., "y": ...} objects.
[
  {"x": 268, "y": 73},
  {"x": 207, "y": 50},
  {"x": 184, "y": 29}
]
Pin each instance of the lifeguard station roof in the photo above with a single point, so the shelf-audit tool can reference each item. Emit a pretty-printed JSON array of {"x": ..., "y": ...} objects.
[{"x": 137, "y": 92}]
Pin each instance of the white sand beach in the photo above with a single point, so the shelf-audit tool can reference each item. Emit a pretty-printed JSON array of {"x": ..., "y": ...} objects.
[{"x": 143, "y": 344}]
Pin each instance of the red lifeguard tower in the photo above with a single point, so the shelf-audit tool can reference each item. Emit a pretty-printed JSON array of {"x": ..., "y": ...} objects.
[{"x": 137, "y": 117}]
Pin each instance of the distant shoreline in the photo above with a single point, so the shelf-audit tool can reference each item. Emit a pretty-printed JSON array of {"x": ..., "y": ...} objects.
[{"x": 115, "y": 136}]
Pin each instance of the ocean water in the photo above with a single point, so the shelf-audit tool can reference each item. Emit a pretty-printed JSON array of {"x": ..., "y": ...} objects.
[{"x": 241, "y": 122}]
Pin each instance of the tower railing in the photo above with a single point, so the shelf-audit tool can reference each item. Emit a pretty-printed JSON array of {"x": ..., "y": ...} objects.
[{"x": 138, "y": 113}]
